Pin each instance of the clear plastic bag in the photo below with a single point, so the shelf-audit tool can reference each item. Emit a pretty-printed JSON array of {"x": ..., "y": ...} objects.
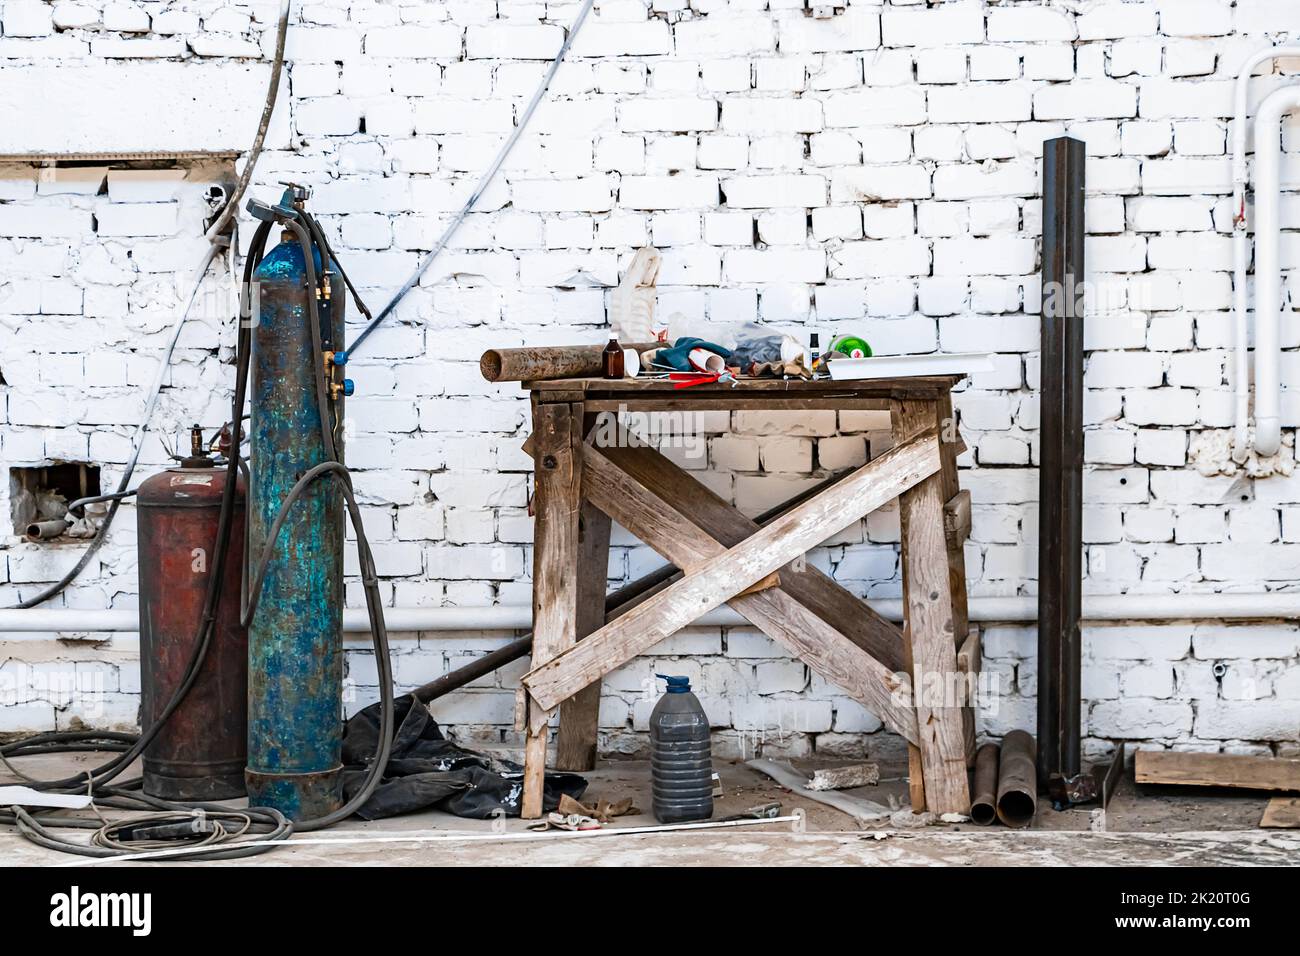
[{"x": 760, "y": 345}]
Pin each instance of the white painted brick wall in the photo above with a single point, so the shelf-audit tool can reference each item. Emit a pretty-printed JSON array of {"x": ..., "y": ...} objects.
[{"x": 876, "y": 172}]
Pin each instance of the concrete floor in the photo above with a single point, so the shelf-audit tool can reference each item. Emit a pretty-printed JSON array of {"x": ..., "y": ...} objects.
[{"x": 1164, "y": 826}]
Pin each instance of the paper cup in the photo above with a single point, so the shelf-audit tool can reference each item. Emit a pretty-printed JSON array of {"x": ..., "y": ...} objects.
[{"x": 631, "y": 363}]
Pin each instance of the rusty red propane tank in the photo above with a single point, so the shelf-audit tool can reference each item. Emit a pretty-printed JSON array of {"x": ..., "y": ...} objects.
[{"x": 199, "y": 754}]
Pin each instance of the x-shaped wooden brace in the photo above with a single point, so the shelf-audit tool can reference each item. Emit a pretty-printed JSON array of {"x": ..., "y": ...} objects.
[{"x": 726, "y": 558}]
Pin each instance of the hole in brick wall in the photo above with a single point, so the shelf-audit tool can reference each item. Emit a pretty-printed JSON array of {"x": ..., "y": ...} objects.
[{"x": 41, "y": 495}]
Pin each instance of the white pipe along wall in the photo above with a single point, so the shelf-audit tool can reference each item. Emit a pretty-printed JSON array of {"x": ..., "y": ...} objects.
[
  {"x": 1270, "y": 430},
  {"x": 1268, "y": 266},
  {"x": 36, "y": 622}
]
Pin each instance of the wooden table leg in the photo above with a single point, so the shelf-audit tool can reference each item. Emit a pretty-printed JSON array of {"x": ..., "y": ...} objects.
[
  {"x": 956, "y": 546},
  {"x": 941, "y": 785},
  {"x": 557, "y": 447},
  {"x": 575, "y": 744}
]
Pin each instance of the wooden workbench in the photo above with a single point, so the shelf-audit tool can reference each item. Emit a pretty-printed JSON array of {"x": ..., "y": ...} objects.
[{"x": 583, "y": 480}]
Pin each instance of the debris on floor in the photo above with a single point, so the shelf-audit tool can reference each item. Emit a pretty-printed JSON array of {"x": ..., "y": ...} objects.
[
  {"x": 845, "y": 778},
  {"x": 864, "y": 812},
  {"x": 1282, "y": 813},
  {"x": 426, "y": 770},
  {"x": 601, "y": 810}
]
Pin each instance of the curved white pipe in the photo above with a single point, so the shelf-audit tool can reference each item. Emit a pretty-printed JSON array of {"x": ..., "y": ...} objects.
[
  {"x": 1268, "y": 266},
  {"x": 1241, "y": 244},
  {"x": 33, "y": 623}
]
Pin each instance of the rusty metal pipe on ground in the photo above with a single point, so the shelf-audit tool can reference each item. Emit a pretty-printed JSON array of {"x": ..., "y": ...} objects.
[
  {"x": 984, "y": 803},
  {"x": 45, "y": 530},
  {"x": 1017, "y": 780},
  {"x": 539, "y": 364},
  {"x": 616, "y": 603}
]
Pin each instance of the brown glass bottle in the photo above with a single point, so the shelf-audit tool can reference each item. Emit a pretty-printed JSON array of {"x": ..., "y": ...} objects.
[{"x": 613, "y": 356}]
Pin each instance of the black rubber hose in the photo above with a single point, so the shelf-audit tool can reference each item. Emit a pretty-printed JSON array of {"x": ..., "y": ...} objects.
[
  {"x": 314, "y": 227},
  {"x": 81, "y": 503},
  {"x": 265, "y": 822}
]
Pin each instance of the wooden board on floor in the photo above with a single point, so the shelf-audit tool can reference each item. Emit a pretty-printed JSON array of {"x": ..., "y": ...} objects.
[
  {"x": 1238, "y": 771},
  {"x": 1282, "y": 813}
]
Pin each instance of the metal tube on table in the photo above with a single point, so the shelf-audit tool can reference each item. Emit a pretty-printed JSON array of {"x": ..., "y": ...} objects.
[
  {"x": 1017, "y": 780},
  {"x": 1060, "y": 523},
  {"x": 541, "y": 363},
  {"x": 984, "y": 802}
]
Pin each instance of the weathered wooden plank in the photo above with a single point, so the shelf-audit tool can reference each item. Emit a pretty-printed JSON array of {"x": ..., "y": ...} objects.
[
  {"x": 557, "y": 433},
  {"x": 658, "y": 521},
  {"x": 521, "y": 708},
  {"x": 808, "y": 585},
  {"x": 971, "y": 653},
  {"x": 1282, "y": 813},
  {"x": 623, "y": 605},
  {"x": 928, "y": 600},
  {"x": 950, "y": 446},
  {"x": 1239, "y": 771},
  {"x": 575, "y": 742},
  {"x": 716, "y": 580},
  {"x": 956, "y": 520},
  {"x": 905, "y": 424},
  {"x": 970, "y": 658}
]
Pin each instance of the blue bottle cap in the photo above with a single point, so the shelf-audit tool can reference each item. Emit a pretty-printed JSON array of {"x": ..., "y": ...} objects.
[{"x": 676, "y": 685}]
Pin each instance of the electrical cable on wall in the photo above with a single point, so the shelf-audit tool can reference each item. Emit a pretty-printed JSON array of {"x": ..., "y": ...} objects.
[{"x": 484, "y": 182}]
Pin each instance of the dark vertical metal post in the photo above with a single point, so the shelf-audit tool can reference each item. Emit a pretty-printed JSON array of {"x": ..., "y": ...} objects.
[{"x": 1060, "y": 532}]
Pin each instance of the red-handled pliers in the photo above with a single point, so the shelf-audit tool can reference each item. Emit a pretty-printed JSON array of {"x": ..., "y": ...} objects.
[{"x": 688, "y": 379}]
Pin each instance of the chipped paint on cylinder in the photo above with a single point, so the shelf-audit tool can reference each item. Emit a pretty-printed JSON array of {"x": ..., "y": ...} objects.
[
  {"x": 199, "y": 753},
  {"x": 295, "y": 638}
]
